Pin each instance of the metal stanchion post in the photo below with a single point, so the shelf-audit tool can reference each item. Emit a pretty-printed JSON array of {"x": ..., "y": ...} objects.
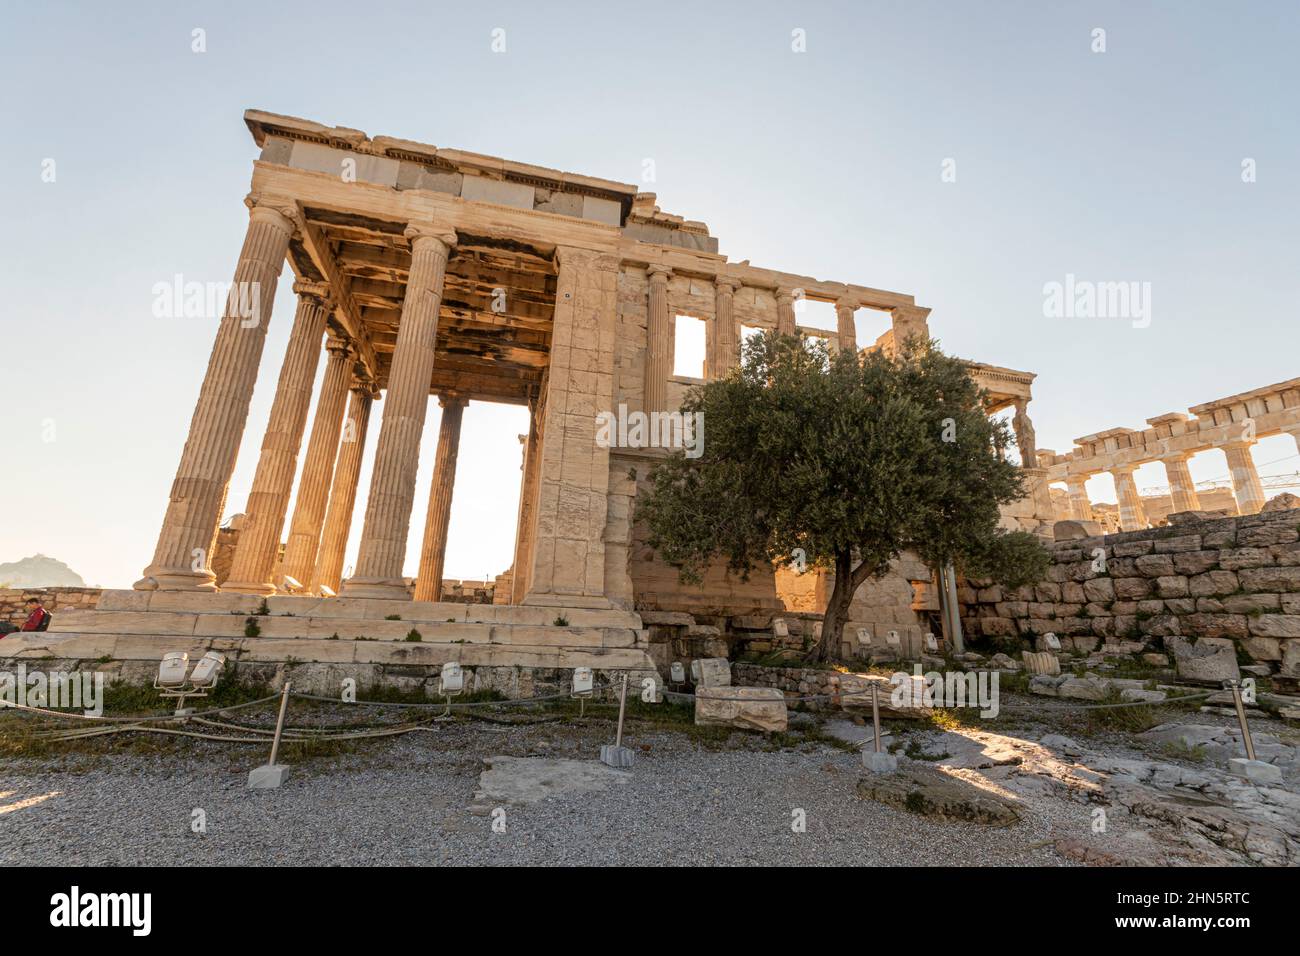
[
  {"x": 272, "y": 774},
  {"x": 877, "y": 761},
  {"x": 616, "y": 755},
  {"x": 1241, "y": 718}
]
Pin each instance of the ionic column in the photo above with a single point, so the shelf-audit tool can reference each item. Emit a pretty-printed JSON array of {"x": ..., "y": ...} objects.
[
  {"x": 785, "y": 324},
  {"x": 725, "y": 355},
  {"x": 318, "y": 467},
  {"x": 392, "y": 483},
  {"x": 1080, "y": 505},
  {"x": 848, "y": 333},
  {"x": 1181, "y": 487},
  {"x": 1131, "y": 515},
  {"x": 659, "y": 343},
  {"x": 343, "y": 493},
  {"x": 268, "y": 501},
  {"x": 433, "y": 552},
  {"x": 182, "y": 558},
  {"x": 1246, "y": 486}
]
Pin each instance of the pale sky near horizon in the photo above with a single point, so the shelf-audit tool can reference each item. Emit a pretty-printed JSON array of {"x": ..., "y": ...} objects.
[{"x": 1117, "y": 166}]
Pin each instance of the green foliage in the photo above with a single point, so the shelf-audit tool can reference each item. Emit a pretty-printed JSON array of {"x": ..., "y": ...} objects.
[
  {"x": 413, "y": 635},
  {"x": 263, "y": 609},
  {"x": 850, "y": 460},
  {"x": 561, "y": 621},
  {"x": 252, "y": 628},
  {"x": 392, "y": 617},
  {"x": 1009, "y": 558}
]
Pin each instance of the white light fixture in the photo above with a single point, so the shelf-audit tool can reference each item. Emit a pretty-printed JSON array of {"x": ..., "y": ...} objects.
[
  {"x": 677, "y": 673},
  {"x": 327, "y": 591},
  {"x": 290, "y": 584}
]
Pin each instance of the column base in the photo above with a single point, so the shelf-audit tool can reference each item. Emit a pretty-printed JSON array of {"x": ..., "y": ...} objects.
[
  {"x": 176, "y": 579},
  {"x": 384, "y": 588},
  {"x": 265, "y": 589}
]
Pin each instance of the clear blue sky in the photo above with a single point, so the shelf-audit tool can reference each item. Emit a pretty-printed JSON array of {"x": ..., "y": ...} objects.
[{"x": 1123, "y": 165}]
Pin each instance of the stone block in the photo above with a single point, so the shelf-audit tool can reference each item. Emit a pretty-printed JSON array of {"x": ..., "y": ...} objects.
[
  {"x": 1155, "y": 565},
  {"x": 267, "y": 777},
  {"x": 1210, "y": 660},
  {"x": 882, "y": 762},
  {"x": 748, "y": 708},
  {"x": 1273, "y": 580},
  {"x": 1256, "y": 771},
  {"x": 1214, "y": 584}
]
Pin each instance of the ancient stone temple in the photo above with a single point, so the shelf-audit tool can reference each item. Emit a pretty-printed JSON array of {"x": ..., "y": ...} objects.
[{"x": 425, "y": 272}]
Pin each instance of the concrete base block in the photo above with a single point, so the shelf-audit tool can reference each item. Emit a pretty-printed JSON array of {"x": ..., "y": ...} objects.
[
  {"x": 267, "y": 776},
  {"x": 1256, "y": 771},
  {"x": 879, "y": 762},
  {"x": 613, "y": 756}
]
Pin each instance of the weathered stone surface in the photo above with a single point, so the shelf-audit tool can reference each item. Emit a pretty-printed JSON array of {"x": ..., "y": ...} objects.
[
  {"x": 1275, "y": 625},
  {"x": 1209, "y": 660},
  {"x": 1271, "y": 579},
  {"x": 1213, "y": 584},
  {"x": 1215, "y": 625},
  {"x": 1101, "y": 590},
  {"x": 1195, "y": 562},
  {"x": 749, "y": 708},
  {"x": 1171, "y": 586},
  {"x": 1155, "y": 565},
  {"x": 929, "y": 792},
  {"x": 1132, "y": 589}
]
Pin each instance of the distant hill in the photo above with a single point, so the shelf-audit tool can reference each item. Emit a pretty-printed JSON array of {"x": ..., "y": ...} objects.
[{"x": 39, "y": 571}]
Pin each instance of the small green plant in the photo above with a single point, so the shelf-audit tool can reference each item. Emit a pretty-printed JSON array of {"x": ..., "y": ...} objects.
[
  {"x": 252, "y": 628},
  {"x": 333, "y": 637},
  {"x": 106, "y": 659},
  {"x": 414, "y": 635},
  {"x": 392, "y": 617},
  {"x": 262, "y": 609},
  {"x": 561, "y": 621}
]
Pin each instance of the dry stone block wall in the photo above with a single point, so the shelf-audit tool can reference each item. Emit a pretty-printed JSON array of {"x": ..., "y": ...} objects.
[{"x": 1161, "y": 590}]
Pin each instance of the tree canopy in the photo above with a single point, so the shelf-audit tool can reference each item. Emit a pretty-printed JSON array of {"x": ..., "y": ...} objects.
[{"x": 843, "y": 463}]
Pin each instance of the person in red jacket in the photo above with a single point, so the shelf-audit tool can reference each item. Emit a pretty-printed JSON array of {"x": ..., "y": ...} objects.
[{"x": 38, "y": 619}]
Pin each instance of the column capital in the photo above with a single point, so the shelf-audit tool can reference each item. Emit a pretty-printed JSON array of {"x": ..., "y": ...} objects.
[
  {"x": 658, "y": 271},
  {"x": 1120, "y": 470},
  {"x": 728, "y": 285},
  {"x": 784, "y": 292},
  {"x": 279, "y": 211},
  {"x": 452, "y": 399},
  {"x": 419, "y": 231},
  {"x": 338, "y": 344},
  {"x": 314, "y": 290},
  {"x": 1238, "y": 444},
  {"x": 846, "y": 305},
  {"x": 1174, "y": 456}
]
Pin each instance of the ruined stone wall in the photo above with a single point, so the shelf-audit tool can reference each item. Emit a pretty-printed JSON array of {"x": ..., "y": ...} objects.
[
  {"x": 1161, "y": 589},
  {"x": 12, "y": 600}
]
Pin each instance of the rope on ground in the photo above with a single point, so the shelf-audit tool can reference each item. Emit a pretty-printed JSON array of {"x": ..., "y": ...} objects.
[
  {"x": 1146, "y": 703},
  {"x": 139, "y": 718}
]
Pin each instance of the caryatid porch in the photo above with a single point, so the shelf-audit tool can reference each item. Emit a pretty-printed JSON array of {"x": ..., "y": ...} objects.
[{"x": 435, "y": 272}]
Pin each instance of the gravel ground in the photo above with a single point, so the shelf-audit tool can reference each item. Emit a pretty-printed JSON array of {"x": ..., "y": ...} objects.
[{"x": 407, "y": 800}]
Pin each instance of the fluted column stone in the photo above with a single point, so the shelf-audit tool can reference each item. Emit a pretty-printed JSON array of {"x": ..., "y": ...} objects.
[
  {"x": 1182, "y": 490},
  {"x": 318, "y": 467},
  {"x": 343, "y": 492},
  {"x": 847, "y": 330},
  {"x": 726, "y": 350},
  {"x": 659, "y": 344},
  {"x": 433, "y": 552},
  {"x": 268, "y": 501},
  {"x": 1080, "y": 505},
  {"x": 1132, "y": 517},
  {"x": 785, "y": 324},
  {"x": 183, "y": 556},
  {"x": 1246, "y": 486},
  {"x": 392, "y": 483}
]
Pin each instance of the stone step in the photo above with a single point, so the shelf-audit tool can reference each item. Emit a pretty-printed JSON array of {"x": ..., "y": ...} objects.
[
  {"x": 192, "y": 624},
  {"x": 199, "y": 602},
  {"x": 151, "y": 647}
]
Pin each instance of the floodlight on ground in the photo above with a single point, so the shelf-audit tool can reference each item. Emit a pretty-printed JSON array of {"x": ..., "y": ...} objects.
[
  {"x": 172, "y": 670},
  {"x": 931, "y": 645},
  {"x": 677, "y": 673},
  {"x": 615, "y": 754},
  {"x": 582, "y": 687},
  {"x": 327, "y": 591},
  {"x": 696, "y": 673},
  {"x": 451, "y": 683},
  {"x": 290, "y": 584},
  {"x": 207, "y": 672}
]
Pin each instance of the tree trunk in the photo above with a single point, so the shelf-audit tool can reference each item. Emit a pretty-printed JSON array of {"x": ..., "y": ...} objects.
[{"x": 837, "y": 607}]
